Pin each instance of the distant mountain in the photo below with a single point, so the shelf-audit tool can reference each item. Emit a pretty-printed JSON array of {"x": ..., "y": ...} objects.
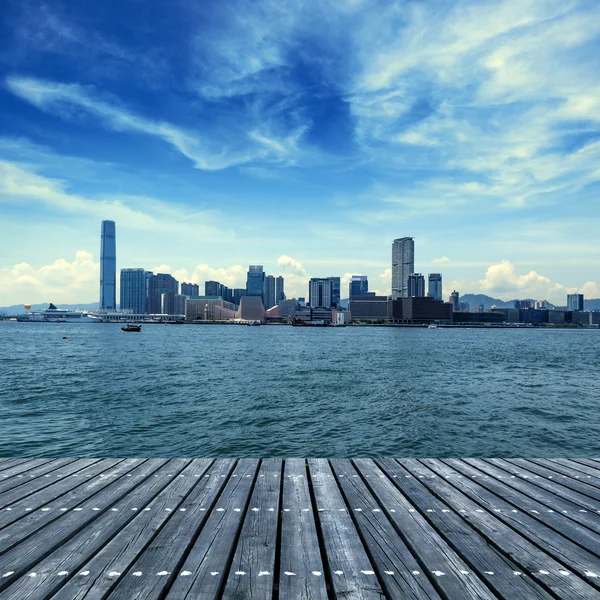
[
  {"x": 19, "y": 309},
  {"x": 593, "y": 304},
  {"x": 475, "y": 300}
]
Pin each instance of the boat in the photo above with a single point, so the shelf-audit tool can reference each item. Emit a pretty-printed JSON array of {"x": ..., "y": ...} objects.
[
  {"x": 132, "y": 327},
  {"x": 52, "y": 314},
  {"x": 433, "y": 326},
  {"x": 294, "y": 322}
]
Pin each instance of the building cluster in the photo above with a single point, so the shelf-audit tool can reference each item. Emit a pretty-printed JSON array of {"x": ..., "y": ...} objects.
[{"x": 144, "y": 293}]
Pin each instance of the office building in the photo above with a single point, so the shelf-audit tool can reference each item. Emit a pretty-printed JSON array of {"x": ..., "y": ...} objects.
[
  {"x": 368, "y": 308},
  {"x": 319, "y": 292},
  {"x": 108, "y": 266},
  {"x": 212, "y": 288},
  {"x": 416, "y": 285},
  {"x": 358, "y": 286},
  {"x": 403, "y": 264},
  {"x": 269, "y": 291},
  {"x": 454, "y": 300},
  {"x": 335, "y": 291},
  {"x": 419, "y": 310},
  {"x": 134, "y": 291},
  {"x": 255, "y": 282},
  {"x": 434, "y": 288},
  {"x": 238, "y": 293},
  {"x": 179, "y": 304},
  {"x": 279, "y": 289},
  {"x": 190, "y": 289},
  {"x": 574, "y": 302},
  {"x": 162, "y": 289}
]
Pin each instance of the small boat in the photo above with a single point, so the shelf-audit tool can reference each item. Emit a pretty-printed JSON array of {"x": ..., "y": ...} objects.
[
  {"x": 132, "y": 327},
  {"x": 433, "y": 326}
]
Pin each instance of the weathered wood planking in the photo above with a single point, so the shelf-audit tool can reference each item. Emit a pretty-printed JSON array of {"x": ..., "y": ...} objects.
[{"x": 75, "y": 529}]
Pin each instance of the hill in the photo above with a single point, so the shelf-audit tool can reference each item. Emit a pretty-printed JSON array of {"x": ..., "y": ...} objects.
[{"x": 19, "y": 309}]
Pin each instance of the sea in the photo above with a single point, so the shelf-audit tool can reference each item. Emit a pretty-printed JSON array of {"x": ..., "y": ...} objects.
[{"x": 216, "y": 391}]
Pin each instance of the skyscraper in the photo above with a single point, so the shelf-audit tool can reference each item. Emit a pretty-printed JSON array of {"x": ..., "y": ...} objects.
[
  {"x": 335, "y": 291},
  {"x": 435, "y": 286},
  {"x": 454, "y": 300},
  {"x": 319, "y": 292},
  {"x": 212, "y": 288},
  {"x": 575, "y": 302},
  {"x": 190, "y": 289},
  {"x": 358, "y": 286},
  {"x": 279, "y": 290},
  {"x": 161, "y": 294},
  {"x": 255, "y": 282},
  {"x": 403, "y": 264},
  {"x": 269, "y": 291},
  {"x": 134, "y": 292},
  {"x": 108, "y": 266},
  {"x": 416, "y": 285}
]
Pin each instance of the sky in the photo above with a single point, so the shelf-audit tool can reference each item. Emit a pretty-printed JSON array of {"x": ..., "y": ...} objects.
[{"x": 303, "y": 136}]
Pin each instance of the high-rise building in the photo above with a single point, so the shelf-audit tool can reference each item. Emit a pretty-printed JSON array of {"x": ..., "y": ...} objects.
[
  {"x": 255, "y": 282},
  {"x": 279, "y": 290},
  {"x": 162, "y": 289},
  {"x": 335, "y": 291},
  {"x": 190, "y": 289},
  {"x": 416, "y": 285},
  {"x": 454, "y": 300},
  {"x": 269, "y": 291},
  {"x": 574, "y": 302},
  {"x": 238, "y": 293},
  {"x": 212, "y": 288},
  {"x": 134, "y": 291},
  {"x": 108, "y": 266},
  {"x": 358, "y": 286},
  {"x": 179, "y": 304},
  {"x": 434, "y": 289},
  {"x": 403, "y": 264},
  {"x": 319, "y": 292}
]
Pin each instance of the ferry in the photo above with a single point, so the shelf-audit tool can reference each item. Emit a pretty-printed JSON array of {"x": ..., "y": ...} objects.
[{"x": 59, "y": 315}]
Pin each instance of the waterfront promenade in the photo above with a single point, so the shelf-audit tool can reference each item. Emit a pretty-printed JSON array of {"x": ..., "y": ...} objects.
[{"x": 296, "y": 528}]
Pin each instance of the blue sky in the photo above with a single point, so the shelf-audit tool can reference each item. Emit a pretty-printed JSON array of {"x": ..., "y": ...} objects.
[{"x": 301, "y": 136}]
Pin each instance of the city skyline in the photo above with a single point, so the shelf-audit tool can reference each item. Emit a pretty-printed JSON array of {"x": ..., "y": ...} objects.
[{"x": 304, "y": 138}]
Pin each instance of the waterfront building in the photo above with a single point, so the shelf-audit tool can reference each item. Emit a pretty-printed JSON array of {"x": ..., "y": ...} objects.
[
  {"x": 269, "y": 291},
  {"x": 368, "y": 308},
  {"x": 574, "y": 302},
  {"x": 321, "y": 314},
  {"x": 251, "y": 308},
  {"x": 358, "y": 286},
  {"x": 179, "y": 304},
  {"x": 288, "y": 307},
  {"x": 255, "y": 282},
  {"x": 212, "y": 288},
  {"x": 134, "y": 290},
  {"x": 335, "y": 291},
  {"x": 190, "y": 289},
  {"x": 419, "y": 310},
  {"x": 454, "y": 300},
  {"x": 403, "y": 264},
  {"x": 108, "y": 266},
  {"x": 416, "y": 285},
  {"x": 162, "y": 289},
  {"x": 319, "y": 292},
  {"x": 474, "y": 318},
  {"x": 434, "y": 288},
  {"x": 279, "y": 289},
  {"x": 238, "y": 293},
  {"x": 208, "y": 308}
]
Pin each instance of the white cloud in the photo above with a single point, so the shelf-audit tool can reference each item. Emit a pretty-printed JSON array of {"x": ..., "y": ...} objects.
[
  {"x": 441, "y": 261},
  {"x": 58, "y": 282}
]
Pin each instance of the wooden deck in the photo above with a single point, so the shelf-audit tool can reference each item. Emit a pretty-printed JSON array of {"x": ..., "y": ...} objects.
[{"x": 299, "y": 529}]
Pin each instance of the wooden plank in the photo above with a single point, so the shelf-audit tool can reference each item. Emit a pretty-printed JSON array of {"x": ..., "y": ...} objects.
[
  {"x": 129, "y": 552},
  {"x": 393, "y": 561},
  {"x": 18, "y": 473},
  {"x": 32, "y": 549},
  {"x": 563, "y": 487},
  {"x": 26, "y": 517},
  {"x": 252, "y": 574},
  {"x": 349, "y": 568},
  {"x": 185, "y": 554},
  {"x": 590, "y": 475},
  {"x": 300, "y": 554},
  {"x": 210, "y": 556},
  {"x": 570, "y": 505},
  {"x": 447, "y": 571},
  {"x": 11, "y": 463},
  {"x": 556, "y": 519},
  {"x": 468, "y": 543},
  {"x": 127, "y": 530},
  {"x": 539, "y": 550},
  {"x": 45, "y": 479}
]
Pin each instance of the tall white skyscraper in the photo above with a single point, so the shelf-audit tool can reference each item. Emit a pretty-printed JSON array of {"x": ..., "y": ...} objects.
[
  {"x": 108, "y": 266},
  {"x": 435, "y": 286},
  {"x": 403, "y": 264}
]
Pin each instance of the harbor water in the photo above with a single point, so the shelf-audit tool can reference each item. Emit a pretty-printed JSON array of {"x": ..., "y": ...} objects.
[{"x": 283, "y": 391}]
